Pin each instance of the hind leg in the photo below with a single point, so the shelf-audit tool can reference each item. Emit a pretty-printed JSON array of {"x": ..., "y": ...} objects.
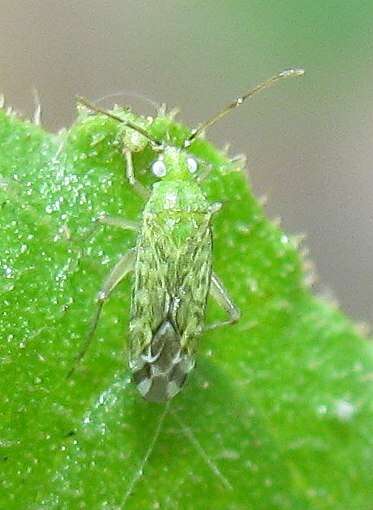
[
  {"x": 124, "y": 266},
  {"x": 221, "y": 296}
]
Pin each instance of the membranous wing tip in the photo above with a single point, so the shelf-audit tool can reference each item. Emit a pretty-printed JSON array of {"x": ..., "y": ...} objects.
[{"x": 160, "y": 373}]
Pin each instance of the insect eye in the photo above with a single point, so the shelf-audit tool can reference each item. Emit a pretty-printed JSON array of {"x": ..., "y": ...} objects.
[
  {"x": 192, "y": 165},
  {"x": 159, "y": 168}
]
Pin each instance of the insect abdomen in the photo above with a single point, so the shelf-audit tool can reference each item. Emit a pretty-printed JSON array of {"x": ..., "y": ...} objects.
[{"x": 164, "y": 367}]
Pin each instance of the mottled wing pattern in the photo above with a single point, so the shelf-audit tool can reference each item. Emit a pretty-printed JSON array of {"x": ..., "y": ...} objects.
[{"x": 172, "y": 279}]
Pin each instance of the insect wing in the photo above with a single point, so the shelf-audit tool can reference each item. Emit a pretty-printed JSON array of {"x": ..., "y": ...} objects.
[{"x": 172, "y": 278}]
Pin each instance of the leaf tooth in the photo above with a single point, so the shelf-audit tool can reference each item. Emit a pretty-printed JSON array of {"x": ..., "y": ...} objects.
[
  {"x": 327, "y": 294},
  {"x": 364, "y": 329},
  {"x": 162, "y": 110},
  {"x": 277, "y": 220},
  {"x": 298, "y": 240},
  {"x": 263, "y": 200},
  {"x": 9, "y": 110},
  {"x": 36, "y": 116},
  {"x": 172, "y": 114},
  {"x": 226, "y": 148},
  {"x": 309, "y": 271},
  {"x": 310, "y": 276},
  {"x": 304, "y": 252},
  {"x": 240, "y": 160}
]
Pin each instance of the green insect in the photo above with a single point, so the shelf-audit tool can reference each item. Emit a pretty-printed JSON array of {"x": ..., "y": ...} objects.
[{"x": 171, "y": 262}]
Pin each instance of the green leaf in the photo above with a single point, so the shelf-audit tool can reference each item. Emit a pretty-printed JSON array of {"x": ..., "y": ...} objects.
[{"x": 277, "y": 413}]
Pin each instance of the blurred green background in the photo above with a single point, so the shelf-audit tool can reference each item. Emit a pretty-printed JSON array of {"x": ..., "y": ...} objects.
[{"x": 308, "y": 142}]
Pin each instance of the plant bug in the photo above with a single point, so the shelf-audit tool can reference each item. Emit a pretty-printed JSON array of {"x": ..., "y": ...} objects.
[{"x": 171, "y": 261}]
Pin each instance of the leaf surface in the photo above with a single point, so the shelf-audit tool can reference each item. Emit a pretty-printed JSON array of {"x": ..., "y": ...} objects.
[{"x": 277, "y": 413}]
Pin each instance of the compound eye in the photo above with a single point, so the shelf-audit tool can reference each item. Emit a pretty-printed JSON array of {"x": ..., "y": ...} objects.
[
  {"x": 192, "y": 165},
  {"x": 159, "y": 168}
]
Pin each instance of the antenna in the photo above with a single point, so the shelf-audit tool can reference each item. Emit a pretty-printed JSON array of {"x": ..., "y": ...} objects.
[
  {"x": 128, "y": 123},
  {"x": 288, "y": 73}
]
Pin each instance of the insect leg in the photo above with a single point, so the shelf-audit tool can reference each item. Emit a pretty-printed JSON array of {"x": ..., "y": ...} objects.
[
  {"x": 124, "y": 266},
  {"x": 130, "y": 174},
  {"x": 238, "y": 162},
  {"x": 115, "y": 221},
  {"x": 205, "y": 173},
  {"x": 103, "y": 219},
  {"x": 221, "y": 296}
]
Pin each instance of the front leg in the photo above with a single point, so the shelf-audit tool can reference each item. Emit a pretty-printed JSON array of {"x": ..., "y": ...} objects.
[{"x": 140, "y": 189}]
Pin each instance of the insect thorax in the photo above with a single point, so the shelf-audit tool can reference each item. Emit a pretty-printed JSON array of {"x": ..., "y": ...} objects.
[{"x": 177, "y": 196}]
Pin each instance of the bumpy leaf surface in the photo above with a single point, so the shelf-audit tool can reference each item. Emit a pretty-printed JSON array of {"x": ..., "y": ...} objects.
[{"x": 277, "y": 413}]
